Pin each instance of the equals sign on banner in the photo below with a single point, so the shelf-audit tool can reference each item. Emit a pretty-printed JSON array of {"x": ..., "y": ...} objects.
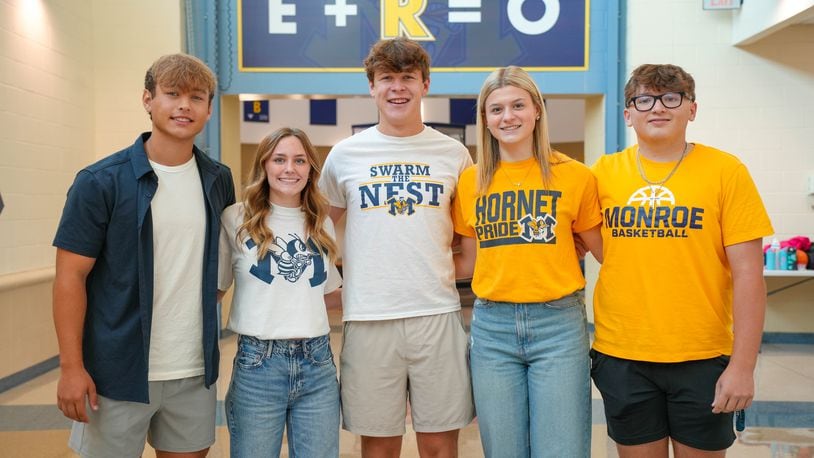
[{"x": 464, "y": 17}]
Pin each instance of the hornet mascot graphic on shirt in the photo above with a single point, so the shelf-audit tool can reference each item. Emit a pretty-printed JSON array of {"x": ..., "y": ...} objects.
[
  {"x": 291, "y": 257},
  {"x": 538, "y": 228},
  {"x": 401, "y": 206}
]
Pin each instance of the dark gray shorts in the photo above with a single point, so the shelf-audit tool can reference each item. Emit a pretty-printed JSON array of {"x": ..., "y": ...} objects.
[{"x": 646, "y": 402}]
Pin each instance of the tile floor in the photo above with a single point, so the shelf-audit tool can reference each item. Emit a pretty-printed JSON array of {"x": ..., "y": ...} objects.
[{"x": 780, "y": 424}]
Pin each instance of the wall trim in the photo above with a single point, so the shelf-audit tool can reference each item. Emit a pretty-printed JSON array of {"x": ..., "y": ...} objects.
[
  {"x": 802, "y": 338},
  {"x": 18, "y": 280},
  {"x": 29, "y": 373},
  {"x": 32, "y": 372}
]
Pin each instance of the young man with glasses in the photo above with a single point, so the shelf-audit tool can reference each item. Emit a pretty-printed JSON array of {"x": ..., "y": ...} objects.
[{"x": 680, "y": 300}]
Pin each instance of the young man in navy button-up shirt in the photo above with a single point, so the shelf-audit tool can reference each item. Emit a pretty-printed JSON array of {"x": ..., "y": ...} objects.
[{"x": 135, "y": 287}]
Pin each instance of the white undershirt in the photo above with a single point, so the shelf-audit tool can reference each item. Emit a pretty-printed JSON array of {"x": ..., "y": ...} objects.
[{"x": 179, "y": 229}]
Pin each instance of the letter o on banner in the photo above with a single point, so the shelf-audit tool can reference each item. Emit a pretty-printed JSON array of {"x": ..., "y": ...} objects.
[{"x": 538, "y": 27}]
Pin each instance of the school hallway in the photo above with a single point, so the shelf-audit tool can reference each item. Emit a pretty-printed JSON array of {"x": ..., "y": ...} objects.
[{"x": 780, "y": 423}]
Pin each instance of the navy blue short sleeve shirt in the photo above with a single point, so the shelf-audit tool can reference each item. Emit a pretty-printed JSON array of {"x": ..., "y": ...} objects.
[{"x": 107, "y": 217}]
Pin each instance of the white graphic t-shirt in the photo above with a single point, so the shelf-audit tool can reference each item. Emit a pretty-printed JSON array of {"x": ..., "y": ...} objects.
[
  {"x": 281, "y": 295},
  {"x": 397, "y": 259}
]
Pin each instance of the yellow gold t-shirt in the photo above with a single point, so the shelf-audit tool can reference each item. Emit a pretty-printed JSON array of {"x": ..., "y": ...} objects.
[
  {"x": 524, "y": 233},
  {"x": 664, "y": 292}
]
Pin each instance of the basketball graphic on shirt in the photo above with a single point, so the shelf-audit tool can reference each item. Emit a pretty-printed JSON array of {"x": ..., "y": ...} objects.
[{"x": 652, "y": 196}]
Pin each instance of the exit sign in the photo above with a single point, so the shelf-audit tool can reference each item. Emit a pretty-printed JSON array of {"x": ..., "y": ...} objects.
[{"x": 722, "y": 4}]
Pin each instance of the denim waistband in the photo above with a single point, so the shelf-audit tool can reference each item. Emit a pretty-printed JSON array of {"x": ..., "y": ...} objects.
[
  {"x": 288, "y": 346},
  {"x": 565, "y": 301}
]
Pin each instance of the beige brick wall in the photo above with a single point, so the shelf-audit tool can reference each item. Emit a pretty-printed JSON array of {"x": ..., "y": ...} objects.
[
  {"x": 71, "y": 78},
  {"x": 128, "y": 35},
  {"x": 46, "y": 92}
]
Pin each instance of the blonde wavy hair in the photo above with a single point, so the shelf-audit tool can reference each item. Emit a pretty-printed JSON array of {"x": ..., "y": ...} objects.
[
  {"x": 488, "y": 154},
  {"x": 256, "y": 196}
]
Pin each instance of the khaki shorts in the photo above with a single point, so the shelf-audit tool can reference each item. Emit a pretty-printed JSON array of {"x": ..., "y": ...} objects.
[
  {"x": 179, "y": 418},
  {"x": 385, "y": 363}
]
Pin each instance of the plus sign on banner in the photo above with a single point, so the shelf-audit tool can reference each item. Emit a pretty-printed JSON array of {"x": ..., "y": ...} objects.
[{"x": 461, "y": 35}]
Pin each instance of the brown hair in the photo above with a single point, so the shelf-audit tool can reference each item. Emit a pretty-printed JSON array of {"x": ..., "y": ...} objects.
[
  {"x": 660, "y": 77},
  {"x": 397, "y": 55},
  {"x": 488, "y": 155},
  {"x": 256, "y": 203},
  {"x": 182, "y": 71}
]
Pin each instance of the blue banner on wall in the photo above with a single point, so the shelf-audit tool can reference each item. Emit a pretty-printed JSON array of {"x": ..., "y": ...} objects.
[
  {"x": 323, "y": 112},
  {"x": 459, "y": 35},
  {"x": 463, "y": 111},
  {"x": 256, "y": 110}
]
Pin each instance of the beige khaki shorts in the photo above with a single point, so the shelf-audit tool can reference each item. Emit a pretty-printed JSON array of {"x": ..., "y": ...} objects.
[
  {"x": 179, "y": 418},
  {"x": 386, "y": 363}
]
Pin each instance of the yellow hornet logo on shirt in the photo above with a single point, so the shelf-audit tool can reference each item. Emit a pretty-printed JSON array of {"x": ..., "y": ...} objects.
[
  {"x": 539, "y": 228},
  {"x": 401, "y": 206}
]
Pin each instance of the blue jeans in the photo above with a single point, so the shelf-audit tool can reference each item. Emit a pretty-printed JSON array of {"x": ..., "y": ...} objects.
[
  {"x": 531, "y": 378},
  {"x": 279, "y": 384}
]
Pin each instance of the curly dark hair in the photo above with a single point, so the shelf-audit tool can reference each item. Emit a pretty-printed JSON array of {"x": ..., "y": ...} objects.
[
  {"x": 397, "y": 55},
  {"x": 660, "y": 77}
]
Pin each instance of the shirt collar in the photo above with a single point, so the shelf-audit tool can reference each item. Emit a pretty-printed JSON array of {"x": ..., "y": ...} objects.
[
  {"x": 138, "y": 157},
  {"x": 141, "y": 164}
]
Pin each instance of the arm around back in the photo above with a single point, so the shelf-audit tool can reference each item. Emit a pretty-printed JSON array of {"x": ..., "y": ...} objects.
[
  {"x": 336, "y": 213},
  {"x": 465, "y": 258},
  {"x": 592, "y": 241}
]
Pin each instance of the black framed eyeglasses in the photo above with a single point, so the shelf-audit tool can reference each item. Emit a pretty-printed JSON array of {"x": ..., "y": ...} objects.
[{"x": 647, "y": 102}]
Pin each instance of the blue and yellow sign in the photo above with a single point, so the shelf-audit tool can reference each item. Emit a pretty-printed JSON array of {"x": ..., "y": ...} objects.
[
  {"x": 459, "y": 35},
  {"x": 256, "y": 110}
]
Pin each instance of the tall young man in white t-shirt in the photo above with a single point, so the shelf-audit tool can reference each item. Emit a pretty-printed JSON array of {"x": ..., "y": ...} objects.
[
  {"x": 136, "y": 280},
  {"x": 404, "y": 339}
]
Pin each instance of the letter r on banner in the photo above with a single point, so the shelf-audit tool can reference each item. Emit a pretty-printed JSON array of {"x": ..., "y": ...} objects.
[{"x": 403, "y": 18}]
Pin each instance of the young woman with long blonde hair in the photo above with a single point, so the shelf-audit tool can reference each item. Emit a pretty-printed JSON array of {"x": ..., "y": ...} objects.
[{"x": 517, "y": 210}]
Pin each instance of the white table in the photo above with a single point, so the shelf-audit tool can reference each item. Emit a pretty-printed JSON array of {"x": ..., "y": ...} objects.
[{"x": 804, "y": 275}]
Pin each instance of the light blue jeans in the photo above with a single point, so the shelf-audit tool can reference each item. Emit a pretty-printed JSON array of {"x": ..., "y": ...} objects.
[
  {"x": 279, "y": 384},
  {"x": 531, "y": 378}
]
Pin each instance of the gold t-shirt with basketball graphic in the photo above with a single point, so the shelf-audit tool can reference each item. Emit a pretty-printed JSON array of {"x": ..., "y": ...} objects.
[
  {"x": 524, "y": 232},
  {"x": 664, "y": 292}
]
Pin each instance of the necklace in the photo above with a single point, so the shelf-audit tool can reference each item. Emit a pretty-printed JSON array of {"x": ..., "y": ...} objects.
[
  {"x": 516, "y": 183},
  {"x": 669, "y": 175}
]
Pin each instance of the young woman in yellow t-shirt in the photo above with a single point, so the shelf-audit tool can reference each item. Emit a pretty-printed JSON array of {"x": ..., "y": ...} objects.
[{"x": 518, "y": 210}]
